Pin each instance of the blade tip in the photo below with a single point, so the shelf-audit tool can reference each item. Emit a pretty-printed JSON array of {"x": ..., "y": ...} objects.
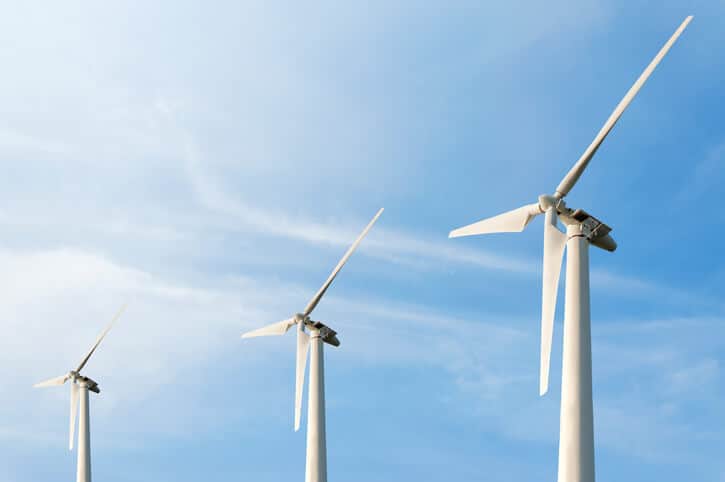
[
  {"x": 544, "y": 385},
  {"x": 685, "y": 23}
]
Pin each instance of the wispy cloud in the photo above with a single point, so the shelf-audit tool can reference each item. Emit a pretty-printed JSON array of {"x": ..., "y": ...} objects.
[
  {"x": 155, "y": 177},
  {"x": 707, "y": 174}
]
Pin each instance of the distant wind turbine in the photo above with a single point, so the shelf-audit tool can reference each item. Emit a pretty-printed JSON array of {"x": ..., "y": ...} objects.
[
  {"x": 316, "y": 460},
  {"x": 79, "y": 387},
  {"x": 576, "y": 431}
]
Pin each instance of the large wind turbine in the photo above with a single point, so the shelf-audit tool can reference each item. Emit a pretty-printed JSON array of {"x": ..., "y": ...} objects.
[
  {"x": 576, "y": 432},
  {"x": 316, "y": 460},
  {"x": 79, "y": 387}
]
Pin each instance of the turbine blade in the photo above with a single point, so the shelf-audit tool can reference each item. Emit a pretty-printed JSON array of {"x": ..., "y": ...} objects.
[
  {"x": 53, "y": 382},
  {"x": 316, "y": 299},
  {"x": 509, "y": 222},
  {"x": 573, "y": 175},
  {"x": 275, "y": 329},
  {"x": 73, "y": 413},
  {"x": 99, "y": 339},
  {"x": 554, "y": 244},
  {"x": 303, "y": 347}
]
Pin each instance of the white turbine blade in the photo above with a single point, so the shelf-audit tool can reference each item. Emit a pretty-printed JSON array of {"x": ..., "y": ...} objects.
[
  {"x": 52, "y": 382},
  {"x": 303, "y": 346},
  {"x": 73, "y": 413},
  {"x": 554, "y": 244},
  {"x": 275, "y": 329},
  {"x": 100, "y": 339},
  {"x": 509, "y": 222},
  {"x": 573, "y": 175},
  {"x": 316, "y": 299}
]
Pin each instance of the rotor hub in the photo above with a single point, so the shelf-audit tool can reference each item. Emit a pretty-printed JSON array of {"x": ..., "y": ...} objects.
[{"x": 547, "y": 202}]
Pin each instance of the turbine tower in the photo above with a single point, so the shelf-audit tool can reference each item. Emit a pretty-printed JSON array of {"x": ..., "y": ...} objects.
[
  {"x": 319, "y": 333},
  {"x": 79, "y": 387},
  {"x": 576, "y": 430}
]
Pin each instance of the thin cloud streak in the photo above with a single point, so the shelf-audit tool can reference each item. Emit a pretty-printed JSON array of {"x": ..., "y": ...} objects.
[{"x": 405, "y": 248}]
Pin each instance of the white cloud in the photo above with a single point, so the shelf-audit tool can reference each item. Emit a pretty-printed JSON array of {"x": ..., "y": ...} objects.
[{"x": 56, "y": 302}]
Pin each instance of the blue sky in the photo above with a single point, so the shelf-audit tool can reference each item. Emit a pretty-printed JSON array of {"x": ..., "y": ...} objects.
[{"x": 210, "y": 163}]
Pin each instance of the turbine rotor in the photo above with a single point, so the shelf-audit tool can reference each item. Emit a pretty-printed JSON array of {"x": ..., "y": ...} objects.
[{"x": 555, "y": 208}]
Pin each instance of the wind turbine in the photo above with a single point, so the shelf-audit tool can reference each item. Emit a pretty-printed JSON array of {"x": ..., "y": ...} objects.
[
  {"x": 316, "y": 459},
  {"x": 576, "y": 431},
  {"x": 79, "y": 387}
]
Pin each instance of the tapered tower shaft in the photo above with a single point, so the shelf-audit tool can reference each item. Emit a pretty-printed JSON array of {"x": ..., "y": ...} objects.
[
  {"x": 83, "y": 471},
  {"x": 576, "y": 432},
  {"x": 316, "y": 464}
]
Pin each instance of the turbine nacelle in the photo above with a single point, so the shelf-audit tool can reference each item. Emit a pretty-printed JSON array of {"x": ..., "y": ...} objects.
[
  {"x": 91, "y": 384},
  {"x": 75, "y": 377},
  {"x": 327, "y": 334},
  {"x": 592, "y": 228}
]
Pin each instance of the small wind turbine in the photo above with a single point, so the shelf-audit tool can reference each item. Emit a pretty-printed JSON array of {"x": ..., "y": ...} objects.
[
  {"x": 576, "y": 431},
  {"x": 79, "y": 387},
  {"x": 316, "y": 460}
]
